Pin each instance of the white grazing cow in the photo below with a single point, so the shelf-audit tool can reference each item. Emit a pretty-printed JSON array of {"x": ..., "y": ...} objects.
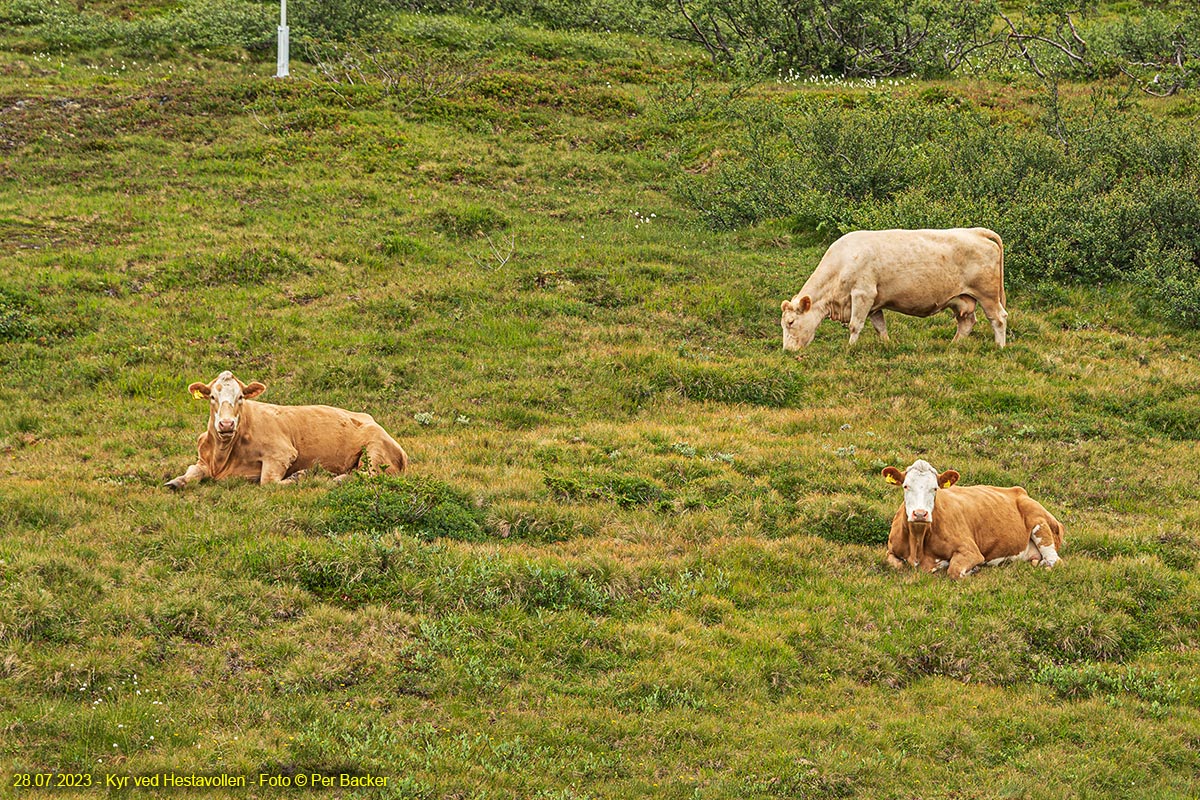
[{"x": 913, "y": 272}]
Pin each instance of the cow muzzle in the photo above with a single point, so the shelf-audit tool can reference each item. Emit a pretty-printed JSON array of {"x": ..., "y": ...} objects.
[
  {"x": 226, "y": 427},
  {"x": 920, "y": 515}
]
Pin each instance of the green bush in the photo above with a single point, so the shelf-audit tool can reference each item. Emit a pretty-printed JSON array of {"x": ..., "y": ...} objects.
[
  {"x": 397, "y": 244},
  {"x": 1087, "y": 680},
  {"x": 1173, "y": 278},
  {"x": 548, "y": 524},
  {"x": 842, "y": 37},
  {"x": 737, "y": 382},
  {"x": 23, "y": 12},
  {"x": 250, "y": 267},
  {"x": 16, "y": 318},
  {"x": 633, "y": 490},
  {"x": 1159, "y": 48},
  {"x": 338, "y": 20},
  {"x": 207, "y": 24},
  {"x": 1110, "y": 198},
  {"x": 421, "y": 507},
  {"x": 600, "y": 15},
  {"x": 623, "y": 489},
  {"x": 1178, "y": 419},
  {"x": 850, "y": 522},
  {"x": 468, "y": 220}
]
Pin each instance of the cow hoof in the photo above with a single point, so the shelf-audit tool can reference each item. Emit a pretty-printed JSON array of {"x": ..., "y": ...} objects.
[{"x": 174, "y": 485}]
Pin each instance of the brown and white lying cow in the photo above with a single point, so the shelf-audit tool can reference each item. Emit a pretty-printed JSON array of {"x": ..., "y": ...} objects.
[
  {"x": 970, "y": 526},
  {"x": 269, "y": 443},
  {"x": 913, "y": 272}
]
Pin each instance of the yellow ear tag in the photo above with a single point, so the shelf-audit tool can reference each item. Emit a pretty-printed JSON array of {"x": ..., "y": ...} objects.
[
  {"x": 892, "y": 480},
  {"x": 947, "y": 484},
  {"x": 196, "y": 394}
]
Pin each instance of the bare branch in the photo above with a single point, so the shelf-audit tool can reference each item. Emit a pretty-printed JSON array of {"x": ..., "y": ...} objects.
[
  {"x": 1075, "y": 34},
  {"x": 499, "y": 256},
  {"x": 1025, "y": 52},
  {"x": 1056, "y": 45},
  {"x": 1145, "y": 85},
  {"x": 700, "y": 36}
]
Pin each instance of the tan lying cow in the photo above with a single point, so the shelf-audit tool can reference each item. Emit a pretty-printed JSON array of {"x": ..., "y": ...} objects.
[
  {"x": 269, "y": 443},
  {"x": 971, "y": 525},
  {"x": 913, "y": 272}
]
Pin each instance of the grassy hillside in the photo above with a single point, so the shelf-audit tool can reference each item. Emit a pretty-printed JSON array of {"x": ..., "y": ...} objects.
[{"x": 640, "y": 549}]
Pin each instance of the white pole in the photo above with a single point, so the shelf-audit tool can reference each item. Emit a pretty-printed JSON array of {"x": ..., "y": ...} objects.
[{"x": 281, "y": 62}]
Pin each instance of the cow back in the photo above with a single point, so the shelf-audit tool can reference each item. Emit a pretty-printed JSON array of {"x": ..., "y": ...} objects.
[
  {"x": 989, "y": 515},
  {"x": 916, "y": 272}
]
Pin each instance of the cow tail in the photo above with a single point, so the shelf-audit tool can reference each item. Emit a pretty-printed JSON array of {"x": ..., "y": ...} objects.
[
  {"x": 1059, "y": 532},
  {"x": 995, "y": 237}
]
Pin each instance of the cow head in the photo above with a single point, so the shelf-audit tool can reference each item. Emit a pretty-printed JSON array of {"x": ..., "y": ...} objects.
[
  {"x": 921, "y": 483},
  {"x": 225, "y": 397},
  {"x": 800, "y": 321}
]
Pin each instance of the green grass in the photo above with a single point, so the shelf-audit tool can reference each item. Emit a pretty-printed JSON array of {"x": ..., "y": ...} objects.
[{"x": 640, "y": 549}]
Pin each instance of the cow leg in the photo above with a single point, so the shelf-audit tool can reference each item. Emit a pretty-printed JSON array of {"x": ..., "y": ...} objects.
[
  {"x": 378, "y": 460},
  {"x": 998, "y": 317},
  {"x": 860, "y": 308},
  {"x": 964, "y": 314},
  {"x": 897, "y": 546},
  {"x": 965, "y": 323},
  {"x": 876, "y": 318},
  {"x": 195, "y": 472},
  {"x": 273, "y": 471},
  {"x": 965, "y": 562},
  {"x": 1043, "y": 537},
  {"x": 931, "y": 564},
  {"x": 384, "y": 455}
]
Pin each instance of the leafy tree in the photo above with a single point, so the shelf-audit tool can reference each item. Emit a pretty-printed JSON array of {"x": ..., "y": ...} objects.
[
  {"x": 1159, "y": 51},
  {"x": 847, "y": 37}
]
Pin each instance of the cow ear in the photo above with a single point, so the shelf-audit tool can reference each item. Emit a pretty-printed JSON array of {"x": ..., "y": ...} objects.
[
  {"x": 948, "y": 479},
  {"x": 253, "y": 390},
  {"x": 805, "y": 304},
  {"x": 787, "y": 306},
  {"x": 893, "y": 475},
  {"x": 200, "y": 391}
]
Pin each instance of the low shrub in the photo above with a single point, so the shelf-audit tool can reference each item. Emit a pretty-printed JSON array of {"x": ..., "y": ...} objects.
[
  {"x": 208, "y": 24},
  {"x": 421, "y": 507},
  {"x": 850, "y": 522},
  {"x": 599, "y": 15},
  {"x": 17, "y": 320},
  {"x": 1087, "y": 680},
  {"x": 1178, "y": 419},
  {"x": 625, "y": 490},
  {"x": 250, "y": 267},
  {"x": 737, "y": 382},
  {"x": 548, "y": 524},
  {"x": 468, "y": 220},
  {"x": 1109, "y": 197}
]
